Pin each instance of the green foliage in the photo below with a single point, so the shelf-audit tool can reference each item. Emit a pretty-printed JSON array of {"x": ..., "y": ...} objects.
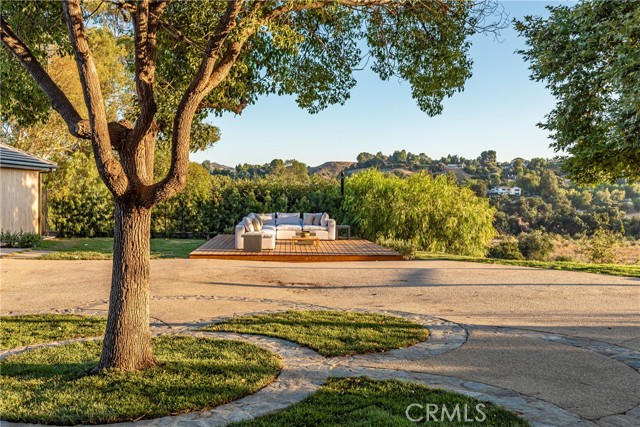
[
  {"x": 434, "y": 213},
  {"x": 587, "y": 55},
  {"x": 41, "y": 25},
  {"x": 406, "y": 248},
  {"x": 331, "y": 333},
  {"x": 506, "y": 248},
  {"x": 234, "y": 199},
  {"x": 600, "y": 247},
  {"x": 79, "y": 202},
  {"x": 535, "y": 245},
  {"x": 190, "y": 210},
  {"x": 19, "y": 239}
]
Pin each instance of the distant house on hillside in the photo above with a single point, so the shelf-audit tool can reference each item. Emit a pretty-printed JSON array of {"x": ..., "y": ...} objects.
[
  {"x": 21, "y": 190},
  {"x": 504, "y": 190},
  {"x": 454, "y": 166}
]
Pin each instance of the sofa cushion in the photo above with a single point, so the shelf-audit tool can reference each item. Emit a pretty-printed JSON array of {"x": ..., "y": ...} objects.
[
  {"x": 269, "y": 228},
  {"x": 248, "y": 224},
  {"x": 289, "y": 227},
  {"x": 257, "y": 225},
  {"x": 267, "y": 218},
  {"x": 268, "y": 232},
  {"x": 288, "y": 218},
  {"x": 324, "y": 220},
  {"x": 316, "y": 218},
  {"x": 315, "y": 228}
]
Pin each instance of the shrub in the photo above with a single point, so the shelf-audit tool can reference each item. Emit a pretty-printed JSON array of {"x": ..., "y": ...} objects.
[
  {"x": 406, "y": 248},
  {"x": 80, "y": 205},
  {"x": 435, "y": 214},
  {"x": 19, "y": 239},
  {"x": 535, "y": 245},
  {"x": 600, "y": 247},
  {"x": 564, "y": 258},
  {"x": 506, "y": 248}
]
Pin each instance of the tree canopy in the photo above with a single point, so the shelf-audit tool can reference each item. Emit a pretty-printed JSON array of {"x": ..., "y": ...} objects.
[{"x": 589, "y": 57}]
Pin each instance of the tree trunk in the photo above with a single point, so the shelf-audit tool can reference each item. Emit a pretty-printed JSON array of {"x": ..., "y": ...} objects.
[{"x": 127, "y": 341}]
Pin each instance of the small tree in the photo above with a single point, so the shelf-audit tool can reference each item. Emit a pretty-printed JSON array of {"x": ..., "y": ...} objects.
[
  {"x": 192, "y": 58},
  {"x": 601, "y": 246},
  {"x": 535, "y": 245}
]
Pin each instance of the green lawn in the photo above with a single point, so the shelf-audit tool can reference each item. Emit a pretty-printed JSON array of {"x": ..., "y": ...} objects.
[
  {"x": 48, "y": 385},
  {"x": 363, "y": 402},
  {"x": 20, "y": 331},
  {"x": 610, "y": 269},
  {"x": 331, "y": 333},
  {"x": 102, "y": 248}
]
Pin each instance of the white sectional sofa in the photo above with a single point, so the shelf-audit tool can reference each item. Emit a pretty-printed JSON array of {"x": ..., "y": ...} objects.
[{"x": 284, "y": 226}]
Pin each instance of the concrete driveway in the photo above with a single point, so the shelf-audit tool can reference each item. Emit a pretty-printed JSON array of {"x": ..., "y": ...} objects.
[{"x": 571, "y": 339}]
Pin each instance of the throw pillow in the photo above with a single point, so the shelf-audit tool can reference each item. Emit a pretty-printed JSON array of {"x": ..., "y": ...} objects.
[
  {"x": 316, "y": 219},
  {"x": 308, "y": 218},
  {"x": 248, "y": 224},
  {"x": 288, "y": 218},
  {"x": 324, "y": 220},
  {"x": 268, "y": 218},
  {"x": 257, "y": 226}
]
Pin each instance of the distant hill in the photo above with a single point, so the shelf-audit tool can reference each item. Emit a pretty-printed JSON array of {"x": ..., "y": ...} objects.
[
  {"x": 329, "y": 169},
  {"x": 461, "y": 175},
  {"x": 217, "y": 166}
]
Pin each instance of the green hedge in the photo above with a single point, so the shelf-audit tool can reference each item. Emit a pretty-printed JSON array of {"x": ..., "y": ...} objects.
[{"x": 428, "y": 213}]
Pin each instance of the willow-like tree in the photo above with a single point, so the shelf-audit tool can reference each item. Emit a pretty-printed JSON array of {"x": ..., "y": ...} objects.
[{"x": 194, "y": 58}]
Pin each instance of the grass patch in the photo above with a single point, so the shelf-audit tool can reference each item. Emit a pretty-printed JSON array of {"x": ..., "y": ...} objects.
[
  {"x": 331, "y": 333},
  {"x": 102, "y": 248},
  {"x": 47, "y": 385},
  {"x": 20, "y": 331},
  {"x": 609, "y": 269},
  {"x": 76, "y": 255},
  {"x": 359, "y": 402}
]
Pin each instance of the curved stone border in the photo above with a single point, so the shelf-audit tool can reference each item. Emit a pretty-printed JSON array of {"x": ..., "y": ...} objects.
[{"x": 14, "y": 351}]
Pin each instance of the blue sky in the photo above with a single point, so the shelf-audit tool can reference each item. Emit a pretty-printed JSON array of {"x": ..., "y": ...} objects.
[{"x": 498, "y": 110}]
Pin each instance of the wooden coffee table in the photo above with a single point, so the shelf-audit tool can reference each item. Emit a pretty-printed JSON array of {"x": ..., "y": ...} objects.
[{"x": 311, "y": 239}]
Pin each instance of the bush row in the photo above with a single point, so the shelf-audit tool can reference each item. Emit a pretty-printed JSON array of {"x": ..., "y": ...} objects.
[{"x": 429, "y": 213}]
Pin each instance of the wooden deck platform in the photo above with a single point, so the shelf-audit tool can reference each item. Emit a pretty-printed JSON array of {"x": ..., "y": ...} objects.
[{"x": 222, "y": 247}]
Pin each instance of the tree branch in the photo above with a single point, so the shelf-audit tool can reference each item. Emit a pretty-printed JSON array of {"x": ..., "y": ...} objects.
[
  {"x": 146, "y": 18},
  {"x": 109, "y": 167},
  {"x": 78, "y": 127},
  {"x": 198, "y": 89}
]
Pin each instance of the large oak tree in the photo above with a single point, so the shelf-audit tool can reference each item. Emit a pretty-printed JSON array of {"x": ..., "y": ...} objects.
[{"x": 194, "y": 58}]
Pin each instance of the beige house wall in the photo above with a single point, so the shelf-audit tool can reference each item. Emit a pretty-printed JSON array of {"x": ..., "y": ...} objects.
[{"x": 19, "y": 200}]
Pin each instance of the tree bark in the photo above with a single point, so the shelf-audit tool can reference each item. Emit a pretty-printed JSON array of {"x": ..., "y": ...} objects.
[{"x": 127, "y": 341}]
